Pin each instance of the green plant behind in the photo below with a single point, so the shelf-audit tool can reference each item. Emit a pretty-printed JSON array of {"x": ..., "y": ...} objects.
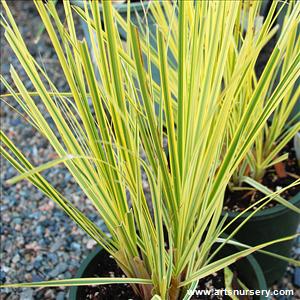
[
  {"x": 251, "y": 33},
  {"x": 108, "y": 135},
  {"x": 279, "y": 129}
]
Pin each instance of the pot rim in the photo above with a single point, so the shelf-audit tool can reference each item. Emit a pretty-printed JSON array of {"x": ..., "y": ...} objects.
[
  {"x": 267, "y": 213},
  {"x": 262, "y": 285},
  {"x": 86, "y": 261}
]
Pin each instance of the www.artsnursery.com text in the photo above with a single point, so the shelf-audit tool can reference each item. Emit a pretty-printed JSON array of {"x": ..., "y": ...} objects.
[{"x": 228, "y": 292}]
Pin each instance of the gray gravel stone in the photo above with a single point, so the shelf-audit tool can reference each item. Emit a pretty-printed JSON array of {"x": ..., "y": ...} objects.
[
  {"x": 56, "y": 245},
  {"x": 297, "y": 277},
  {"x": 59, "y": 269},
  {"x": 26, "y": 295},
  {"x": 16, "y": 258},
  {"x": 75, "y": 246}
]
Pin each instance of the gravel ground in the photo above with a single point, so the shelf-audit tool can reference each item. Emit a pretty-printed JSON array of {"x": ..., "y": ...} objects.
[{"x": 38, "y": 241}]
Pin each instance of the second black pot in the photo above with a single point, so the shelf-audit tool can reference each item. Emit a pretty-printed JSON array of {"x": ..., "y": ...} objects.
[{"x": 267, "y": 225}]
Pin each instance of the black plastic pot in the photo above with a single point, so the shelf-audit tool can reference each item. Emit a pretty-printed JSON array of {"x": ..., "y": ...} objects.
[
  {"x": 250, "y": 273},
  {"x": 267, "y": 225},
  {"x": 138, "y": 10},
  {"x": 138, "y": 18}
]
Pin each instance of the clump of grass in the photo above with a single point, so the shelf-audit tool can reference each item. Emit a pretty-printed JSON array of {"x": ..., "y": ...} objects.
[{"x": 108, "y": 134}]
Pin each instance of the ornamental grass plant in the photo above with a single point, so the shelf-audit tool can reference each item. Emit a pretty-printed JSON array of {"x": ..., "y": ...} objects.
[
  {"x": 268, "y": 149},
  {"x": 107, "y": 133},
  {"x": 252, "y": 30}
]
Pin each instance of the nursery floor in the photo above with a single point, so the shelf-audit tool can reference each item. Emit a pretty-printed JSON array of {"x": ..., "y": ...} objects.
[{"x": 39, "y": 242}]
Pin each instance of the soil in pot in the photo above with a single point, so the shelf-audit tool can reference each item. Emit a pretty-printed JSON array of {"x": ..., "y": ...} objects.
[
  {"x": 105, "y": 266},
  {"x": 275, "y": 178}
]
